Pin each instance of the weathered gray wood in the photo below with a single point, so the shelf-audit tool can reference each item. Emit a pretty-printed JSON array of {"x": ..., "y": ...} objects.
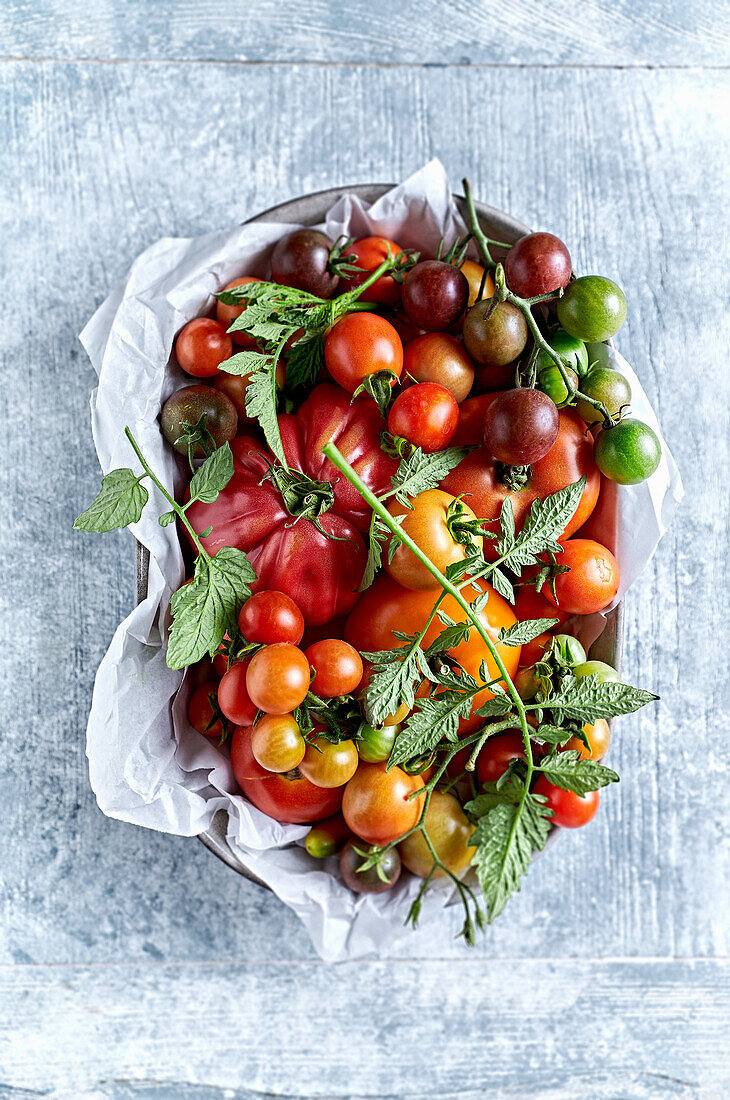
[{"x": 419, "y": 32}]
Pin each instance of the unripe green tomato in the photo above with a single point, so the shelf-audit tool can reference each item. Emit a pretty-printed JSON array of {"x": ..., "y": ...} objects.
[
  {"x": 373, "y": 744},
  {"x": 593, "y": 308},
  {"x": 570, "y": 347},
  {"x": 327, "y": 837},
  {"x": 550, "y": 381},
  {"x": 627, "y": 453},
  {"x": 604, "y": 672},
  {"x": 606, "y": 385},
  {"x": 599, "y": 355},
  {"x": 569, "y": 648}
]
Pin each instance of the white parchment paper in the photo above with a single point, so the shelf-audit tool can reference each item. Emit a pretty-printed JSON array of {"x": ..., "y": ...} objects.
[{"x": 146, "y": 764}]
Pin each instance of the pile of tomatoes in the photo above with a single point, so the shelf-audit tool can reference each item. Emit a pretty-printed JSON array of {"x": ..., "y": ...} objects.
[{"x": 446, "y": 356}]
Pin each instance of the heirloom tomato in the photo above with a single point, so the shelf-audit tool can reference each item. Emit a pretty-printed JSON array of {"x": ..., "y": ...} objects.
[
  {"x": 376, "y": 806},
  {"x": 592, "y": 580},
  {"x": 375, "y": 880},
  {"x": 286, "y": 798},
  {"x": 449, "y": 830}
]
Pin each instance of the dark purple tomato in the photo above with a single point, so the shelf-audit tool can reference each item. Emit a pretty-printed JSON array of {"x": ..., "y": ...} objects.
[
  {"x": 184, "y": 408},
  {"x": 368, "y": 882},
  {"x": 537, "y": 264},
  {"x": 301, "y": 259},
  {"x": 497, "y": 338},
  {"x": 521, "y": 426},
  {"x": 435, "y": 295}
]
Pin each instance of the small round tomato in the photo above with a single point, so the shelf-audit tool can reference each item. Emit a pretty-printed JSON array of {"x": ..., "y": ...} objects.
[
  {"x": 537, "y": 263},
  {"x": 277, "y": 679},
  {"x": 277, "y": 743},
  {"x": 302, "y": 259},
  {"x": 441, "y": 358},
  {"x": 285, "y": 798},
  {"x": 521, "y": 426},
  {"x": 376, "y": 806},
  {"x": 629, "y": 452},
  {"x": 270, "y": 616},
  {"x": 360, "y": 344},
  {"x": 533, "y": 651},
  {"x": 233, "y": 697},
  {"x": 226, "y": 315},
  {"x": 605, "y": 673},
  {"x": 474, "y": 274},
  {"x": 426, "y": 522},
  {"x": 337, "y": 666},
  {"x": 184, "y": 408},
  {"x": 328, "y": 837},
  {"x": 375, "y": 745},
  {"x": 434, "y": 295},
  {"x": 592, "y": 582},
  {"x": 570, "y": 810},
  {"x": 328, "y": 765},
  {"x": 606, "y": 385},
  {"x": 531, "y": 604},
  {"x": 368, "y": 254},
  {"x": 235, "y": 387},
  {"x": 494, "y": 337},
  {"x": 496, "y": 755},
  {"x": 427, "y": 415},
  {"x": 368, "y": 881},
  {"x": 449, "y": 831},
  {"x": 599, "y": 738},
  {"x": 569, "y": 347},
  {"x": 592, "y": 308},
  {"x": 201, "y": 347},
  {"x": 201, "y": 712}
]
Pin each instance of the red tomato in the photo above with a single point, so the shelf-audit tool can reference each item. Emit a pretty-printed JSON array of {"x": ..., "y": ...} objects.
[
  {"x": 593, "y": 579},
  {"x": 201, "y": 715},
  {"x": 360, "y": 344},
  {"x": 233, "y": 697},
  {"x": 270, "y": 617},
  {"x": 427, "y": 415},
  {"x": 533, "y": 605},
  {"x": 386, "y": 607},
  {"x": 201, "y": 347},
  {"x": 277, "y": 678},
  {"x": 375, "y": 804},
  {"x": 337, "y": 666},
  {"x": 570, "y": 810},
  {"x": 477, "y": 477},
  {"x": 495, "y": 756},
  {"x": 533, "y": 651},
  {"x": 320, "y": 575},
  {"x": 285, "y": 799},
  {"x": 369, "y": 253},
  {"x": 226, "y": 315}
]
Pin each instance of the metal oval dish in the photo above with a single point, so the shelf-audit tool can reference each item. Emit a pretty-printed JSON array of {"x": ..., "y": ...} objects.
[{"x": 309, "y": 210}]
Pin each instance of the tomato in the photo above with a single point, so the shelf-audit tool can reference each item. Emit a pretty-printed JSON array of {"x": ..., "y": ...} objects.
[
  {"x": 302, "y": 259},
  {"x": 592, "y": 308},
  {"x": 369, "y": 253},
  {"x": 474, "y": 273},
  {"x": 449, "y": 830},
  {"x": 374, "y": 745},
  {"x": 533, "y": 651},
  {"x": 360, "y": 344},
  {"x": 569, "y": 648},
  {"x": 427, "y": 415},
  {"x": 201, "y": 347},
  {"x": 496, "y": 755},
  {"x": 531, "y": 604},
  {"x": 368, "y": 881},
  {"x": 277, "y": 742},
  {"x": 226, "y": 315},
  {"x": 521, "y": 426},
  {"x": 494, "y": 338},
  {"x": 551, "y": 383},
  {"x": 201, "y": 714},
  {"x": 537, "y": 263},
  {"x": 337, "y": 667},
  {"x": 270, "y": 616},
  {"x": 402, "y": 712},
  {"x": 439, "y": 357},
  {"x": 282, "y": 797},
  {"x": 434, "y": 295},
  {"x": 606, "y": 385},
  {"x": 277, "y": 679},
  {"x": 570, "y": 811},
  {"x": 479, "y": 477},
  {"x": 320, "y": 575},
  {"x": 184, "y": 408},
  {"x": 233, "y": 697},
  {"x": 328, "y": 765},
  {"x": 592, "y": 582},
  {"x": 599, "y": 738},
  {"x": 327, "y": 837},
  {"x": 570, "y": 347},
  {"x": 375, "y": 803},
  {"x": 386, "y": 607},
  {"x": 604, "y": 672},
  {"x": 202, "y": 672},
  {"x": 629, "y": 452},
  {"x": 426, "y": 523},
  {"x": 235, "y": 387}
]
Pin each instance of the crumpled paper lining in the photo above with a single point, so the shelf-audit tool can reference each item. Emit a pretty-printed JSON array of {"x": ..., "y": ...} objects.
[{"x": 146, "y": 764}]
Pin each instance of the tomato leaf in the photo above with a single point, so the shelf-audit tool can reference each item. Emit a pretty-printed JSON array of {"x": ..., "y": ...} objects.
[
  {"x": 524, "y": 632},
  {"x": 304, "y": 362},
  {"x": 204, "y": 610},
  {"x": 491, "y": 795},
  {"x": 432, "y": 721},
  {"x": 501, "y": 585},
  {"x": 499, "y": 704},
  {"x": 261, "y": 397},
  {"x": 570, "y": 772},
  {"x": 119, "y": 503},
  {"x": 544, "y": 525},
  {"x": 214, "y": 474},
  {"x": 419, "y": 472},
  {"x": 396, "y": 675},
  {"x": 505, "y": 838},
  {"x": 453, "y": 635},
  {"x": 587, "y": 699}
]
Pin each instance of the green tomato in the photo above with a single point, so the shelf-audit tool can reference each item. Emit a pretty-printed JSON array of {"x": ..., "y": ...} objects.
[
  {"x": 627, "y": 453},
  {"x": 569, "y": 649},
  {"x": 606, "y": 385},
  {"x": 550, "y": 381},
  {"x": 604, "y": 672},
  {"x": 373, "y": 744},
  {"x": 569, "y": 347},
  {"x": 592, "y": 308},
  {"x": 599, "y": 355}
]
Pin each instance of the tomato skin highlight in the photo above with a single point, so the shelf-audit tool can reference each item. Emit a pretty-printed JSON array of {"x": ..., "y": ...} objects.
[
  {"x": 570, "y": 810},
  {"x": 201, "y": 346},
  {"x": 375, "y": 803},
  {"x": 427, "y": 415},
  {"x": 592, "y": 582},
  {"x": 360, "y": 344},
  {"x": 293, "y": 801}
]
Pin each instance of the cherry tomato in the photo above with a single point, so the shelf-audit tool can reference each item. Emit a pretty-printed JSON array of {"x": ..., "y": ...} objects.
[
  {"x": 285, "y": 798},
  {"x": 201, "y": 714},
  {"x": 184, "y": 408},
  {"x": 235, "y": 387},
  {"x": 369, "y": 881},
  {"x": 434, "y": 295},
  {"x": 497, "y": 339},
  {"x": 226, "y": 315},
  {"x": 474, "y": 273},
  {"x": 328, "y": 765},
  {"x": 374, "y": 745},
  {"x": 439, "y": 357},
  {"x": 277, "y": 743},
  {"x": 375, "y": 803},
  {"x": 426, "y": 523},
  {"x": 604, "y": 672},
  {"x": 360, "y": 344},
  {"x": 599, "y": 738},
  {"x": 277, "y": 679},
  {"x": 271, "y": 616},
  {"x": 337, "y": 666},
  {"x": 427, "y": 415},
  {"x": 593, "y": 579},
  {"x": 449, "y": 830},
  {"x": 533, "y": 651},
  {"x": 369, "y": 253},
  {"x": 537, "y": 263},
  {"x": 570, "y": 810},
  {"x": 302, "y": 259},
  {"x": 629, "y": 452},
  {"x": 521, "y": 426},
  {"x": 327, "y": 837},
  {"x": 201, "y": 347},
  {"x": 592, "y": 308},
  {"x": 606, "y": 385},
  {"x": 569, "y": 347},
  {"x": 551, "y": 382},
  {"x": 496, "y": 755},
  {"x": 233, "y": 697}
]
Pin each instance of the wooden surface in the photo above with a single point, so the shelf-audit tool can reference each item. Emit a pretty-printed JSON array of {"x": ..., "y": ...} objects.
[{"x": 136, "y": 965}]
